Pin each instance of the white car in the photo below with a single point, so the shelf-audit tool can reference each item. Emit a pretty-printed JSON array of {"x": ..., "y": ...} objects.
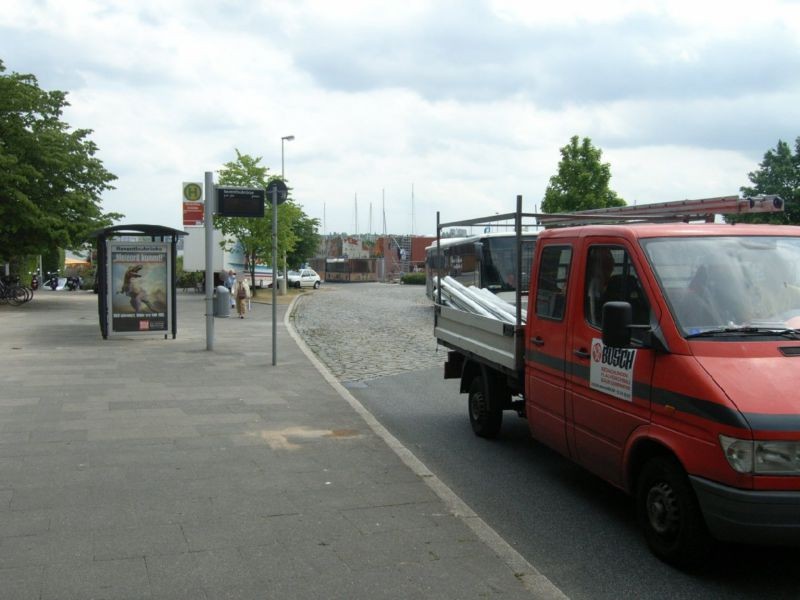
[
  {"x": 301, "y": 278},
  {"x": 304, "y": 278}
]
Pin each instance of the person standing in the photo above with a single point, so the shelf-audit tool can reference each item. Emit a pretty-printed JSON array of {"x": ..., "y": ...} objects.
[
  {"x": 242, "y": 294},
  {"x": 230, "y": 283}
]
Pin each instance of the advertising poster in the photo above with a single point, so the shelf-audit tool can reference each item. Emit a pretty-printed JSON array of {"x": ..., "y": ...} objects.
[
  {"x": 611, "y": 370},
  {"x": 140, "y": 291}
]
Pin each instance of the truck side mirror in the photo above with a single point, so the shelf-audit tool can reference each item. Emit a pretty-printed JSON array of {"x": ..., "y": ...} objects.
[{"x": 617, "y": 318}]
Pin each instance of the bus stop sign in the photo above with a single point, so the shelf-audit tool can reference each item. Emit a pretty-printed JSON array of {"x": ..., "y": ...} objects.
[{"x": 280, "y": 186}]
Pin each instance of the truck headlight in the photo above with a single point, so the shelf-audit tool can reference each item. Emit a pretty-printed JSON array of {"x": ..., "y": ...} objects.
[
  {"x": 738, "y": 452},
  {"x": 777, "y": 458},
  {"x": 762, "y": 457}
]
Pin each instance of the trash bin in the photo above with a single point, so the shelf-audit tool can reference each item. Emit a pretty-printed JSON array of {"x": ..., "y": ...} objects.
[{"x": 222, "y": 302}]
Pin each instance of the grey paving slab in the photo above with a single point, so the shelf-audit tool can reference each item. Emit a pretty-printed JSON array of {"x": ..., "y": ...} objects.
[
  {"x": 48, "y": 548},
  {"x": 144, "y": 540},
  {"x": 108, "y": 579},
  {"x": 151, "y": 468},
  {"x": 23, "y": 583},
  {"x": 219, "y": 573}
]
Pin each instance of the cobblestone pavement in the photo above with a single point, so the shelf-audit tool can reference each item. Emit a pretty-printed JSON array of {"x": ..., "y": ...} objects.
[{"x": 363, "y": 331}]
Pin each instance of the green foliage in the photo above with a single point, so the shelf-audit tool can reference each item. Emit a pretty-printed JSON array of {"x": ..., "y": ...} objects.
[
  {"x": 413, "y": 279},
  {"x": 88, "y": 275},
  {"x": 50, "y": 179},
  {"x": 53, "y": 261},
  {"x": 23, "y": 267},
  {"x": 307, "y": 240},
  {"x": 186, "y": 279},
  {"x": 189, "y": 279},
  {"x": 581, "y": 182},
  {"x": 778, "y": 173}
]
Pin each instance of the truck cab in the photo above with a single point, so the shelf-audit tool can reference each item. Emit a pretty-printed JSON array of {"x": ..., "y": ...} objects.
[{"x": 661, "y": 358}]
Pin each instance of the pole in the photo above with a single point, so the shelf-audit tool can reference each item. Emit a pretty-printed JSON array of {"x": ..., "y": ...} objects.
[
  {"x": 208, "y": 215},
  {"x": 285, "y": 280},
  {"x": 518, "y": 266},
  {"x": 275, "y": 275},
  {"x": 385, "y": 239}
]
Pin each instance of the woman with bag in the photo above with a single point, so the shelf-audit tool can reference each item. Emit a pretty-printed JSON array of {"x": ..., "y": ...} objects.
[{"x": 242, "y": 293}]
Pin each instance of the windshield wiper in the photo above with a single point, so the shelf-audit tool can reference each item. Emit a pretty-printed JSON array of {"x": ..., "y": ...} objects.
[{"x": 793, "y": 334}]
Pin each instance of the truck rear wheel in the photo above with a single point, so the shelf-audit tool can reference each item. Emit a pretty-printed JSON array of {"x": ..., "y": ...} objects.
[
  {"x": 669, "y": 514},
  {"x": 485, "y": 412}
]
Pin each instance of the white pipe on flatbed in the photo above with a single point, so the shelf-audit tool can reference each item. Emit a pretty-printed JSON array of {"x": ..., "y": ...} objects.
[
  {"x": 478, "y": 301},
  {"x": 472, "y": 294},
  {"x": 458, "y": 295},
  {"x": 507, "y": 315},
  {"x": 501, "y": 304}
]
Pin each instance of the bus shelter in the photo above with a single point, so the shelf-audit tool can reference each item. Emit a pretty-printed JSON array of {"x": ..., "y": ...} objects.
[{"x": 136, "y": 279}]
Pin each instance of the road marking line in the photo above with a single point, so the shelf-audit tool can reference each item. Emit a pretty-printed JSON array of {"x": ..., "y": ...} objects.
[{"x": 531, "y": 578}]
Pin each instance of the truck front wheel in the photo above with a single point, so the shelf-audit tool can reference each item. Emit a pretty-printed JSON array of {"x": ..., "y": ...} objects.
[
  {"x": 669, "y": 514},
  {"x": 485, "y": 412}
]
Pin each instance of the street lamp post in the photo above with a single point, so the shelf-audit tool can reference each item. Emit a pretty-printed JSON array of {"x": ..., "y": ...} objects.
[
  {"x": 286, "y": 138},
  {"x": 285, "y": 282}
]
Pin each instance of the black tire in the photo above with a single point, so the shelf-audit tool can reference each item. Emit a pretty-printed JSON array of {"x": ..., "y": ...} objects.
[
  {"x": 669, "y": 514},
  {"x": 485, "y": 412},
  {"x": 316, "y": 285},
  {"x": 18, "y": 296},
  {"x": 297, "y": 285}
]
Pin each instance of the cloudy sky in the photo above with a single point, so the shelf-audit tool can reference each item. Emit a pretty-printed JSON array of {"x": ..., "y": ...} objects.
[{"x": 469, "y": 101}]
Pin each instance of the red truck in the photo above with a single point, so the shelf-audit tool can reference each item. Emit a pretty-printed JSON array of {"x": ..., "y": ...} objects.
[{"x": 665, "y": 359}]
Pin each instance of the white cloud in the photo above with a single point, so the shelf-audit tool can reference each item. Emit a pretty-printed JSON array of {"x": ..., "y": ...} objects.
[{"x": 469, "y": 101}]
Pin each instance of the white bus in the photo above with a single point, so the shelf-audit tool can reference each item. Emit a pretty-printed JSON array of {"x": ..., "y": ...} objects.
[{"x": 486, "y": 261}]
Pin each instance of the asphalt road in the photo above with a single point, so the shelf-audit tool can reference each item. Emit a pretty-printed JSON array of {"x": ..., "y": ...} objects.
[
  {"x": 576, "y": 529},
  {"x": 573, "y": 527}
]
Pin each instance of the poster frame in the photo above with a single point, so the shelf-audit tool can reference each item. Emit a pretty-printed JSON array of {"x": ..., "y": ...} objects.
[{"x": 162, "y": 250}]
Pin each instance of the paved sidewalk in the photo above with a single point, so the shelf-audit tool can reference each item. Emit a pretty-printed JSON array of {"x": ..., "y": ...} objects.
[{"x": 151, "y": 468}]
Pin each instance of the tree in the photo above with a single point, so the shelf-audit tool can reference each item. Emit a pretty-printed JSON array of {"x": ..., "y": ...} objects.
[
  {"x": 306, "y": 232},
  {"x": 778, "y": 173},
  {"x": 50, "y": 179},
  {"x": 255, "y": 234},
  {"x": 581, "y": 182}
]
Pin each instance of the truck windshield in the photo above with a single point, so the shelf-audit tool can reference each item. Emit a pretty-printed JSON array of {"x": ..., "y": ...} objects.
[{"x": 721, "y": 286}]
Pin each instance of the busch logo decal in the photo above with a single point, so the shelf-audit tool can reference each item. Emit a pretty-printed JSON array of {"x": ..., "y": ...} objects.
[{"x": 611, "y": 370}]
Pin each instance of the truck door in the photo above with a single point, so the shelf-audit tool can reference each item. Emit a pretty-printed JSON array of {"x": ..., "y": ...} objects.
[
  {"x": 545, "y": 380},
  {"x": 608, "y": 389}
]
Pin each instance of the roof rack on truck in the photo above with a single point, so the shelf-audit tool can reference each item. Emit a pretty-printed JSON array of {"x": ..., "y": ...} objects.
[
  {"x": 703, "y": 209},
  {"x": 682, "y": 210}
]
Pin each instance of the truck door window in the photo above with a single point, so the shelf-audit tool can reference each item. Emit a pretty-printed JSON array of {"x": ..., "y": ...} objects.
[
  {"x": 551, "y": 287},
  {"x": 610, "y": 275}
]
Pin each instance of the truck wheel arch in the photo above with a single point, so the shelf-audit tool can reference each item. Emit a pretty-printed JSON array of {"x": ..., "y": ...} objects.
[
  {"x": 638, "y": 454},
  {"x": 469, "y": 371},
  {"x": 669, "y": 514}
]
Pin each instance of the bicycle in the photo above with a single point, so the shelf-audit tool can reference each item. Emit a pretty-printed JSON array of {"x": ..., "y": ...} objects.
[{"x": 14, "y": 293}]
